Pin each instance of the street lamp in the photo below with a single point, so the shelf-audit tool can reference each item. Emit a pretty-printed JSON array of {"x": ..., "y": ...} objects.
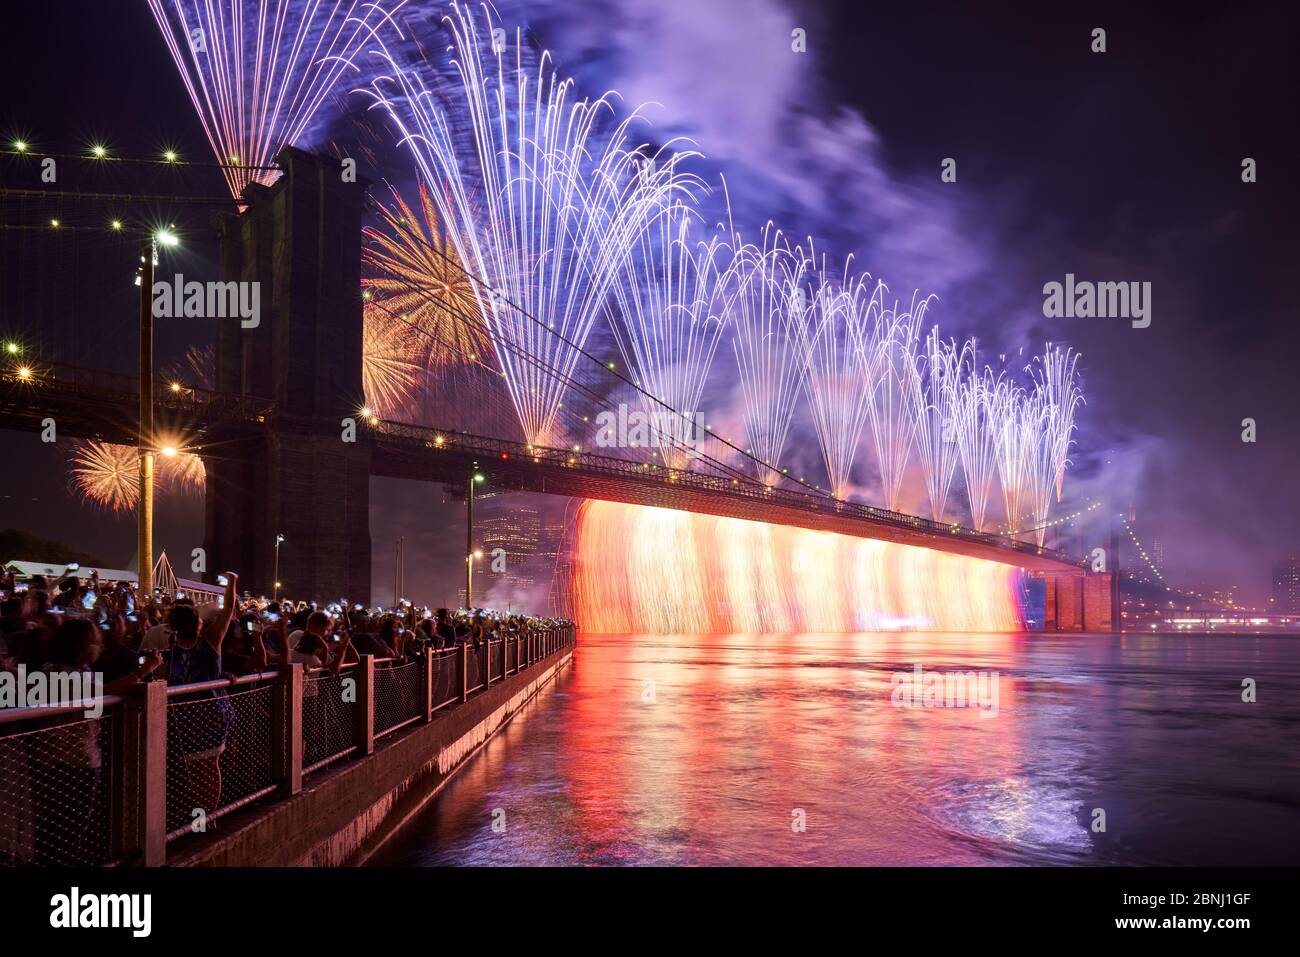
[
  {"x": 279, "y": 540},
  {"x": 475, "y": 476},
  {"x": 144, "y": 511}
]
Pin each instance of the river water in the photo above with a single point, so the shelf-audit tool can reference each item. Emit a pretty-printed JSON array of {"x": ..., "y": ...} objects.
[{"x": 792, "y": 749}]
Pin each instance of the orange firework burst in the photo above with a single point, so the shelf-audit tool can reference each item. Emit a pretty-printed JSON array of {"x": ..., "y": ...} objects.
[
  {"x": 425, "y": 293},
  {"x": 393, "y": 358},
  {"x": 108, "y": 475},
  {"x": 183, "y": 472}
]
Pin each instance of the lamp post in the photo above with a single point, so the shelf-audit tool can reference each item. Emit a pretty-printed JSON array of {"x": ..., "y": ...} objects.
[
  {"x": 145, "y": 433},
  {"x": 279, "y": 540},
  {"x": 474, "y": 476},
  {"x": 144, "y": 510}
]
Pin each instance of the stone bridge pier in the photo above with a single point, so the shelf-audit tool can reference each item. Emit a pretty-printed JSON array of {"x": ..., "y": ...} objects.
[
  {"x": 300, "y": 239},
  {"x": 1080, "y": 601}
]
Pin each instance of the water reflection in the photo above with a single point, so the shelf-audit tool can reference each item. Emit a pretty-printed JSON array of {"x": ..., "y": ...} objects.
[{"x": 705, "y": 749}]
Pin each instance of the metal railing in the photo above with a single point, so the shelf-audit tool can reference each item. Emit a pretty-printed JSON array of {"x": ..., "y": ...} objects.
[
  {"x": 164, "y": 762},
  {"x": 97, "y": 385}
]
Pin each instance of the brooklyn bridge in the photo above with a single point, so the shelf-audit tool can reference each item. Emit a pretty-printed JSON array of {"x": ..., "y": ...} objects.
[{"x": 287, "y": 408}]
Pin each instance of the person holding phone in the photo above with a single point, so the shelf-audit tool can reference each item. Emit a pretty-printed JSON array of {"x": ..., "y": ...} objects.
[
  {"x": 196, "y": 657},
  {"x": 314, "y": 651}
]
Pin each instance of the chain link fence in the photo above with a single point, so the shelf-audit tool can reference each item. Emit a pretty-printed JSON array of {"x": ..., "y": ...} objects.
[
  {"x": 55, "y": 793},
  {"x": 219, "y": 746},
  {"x": 74, "y": 790},
  {"x": 397, "y": 695},
  {"x": 329, "y": 718},
  {"x": 473, "y": 668},
  {"x": 496, "y": 660},
  {"x": 446, "y": 678}
]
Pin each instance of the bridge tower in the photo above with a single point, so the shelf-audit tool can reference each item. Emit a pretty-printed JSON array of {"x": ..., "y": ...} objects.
[{"x": 300, "y": 238}]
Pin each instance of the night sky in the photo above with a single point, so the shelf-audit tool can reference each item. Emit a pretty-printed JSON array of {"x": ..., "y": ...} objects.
[{"x": 1122, "y": 166}]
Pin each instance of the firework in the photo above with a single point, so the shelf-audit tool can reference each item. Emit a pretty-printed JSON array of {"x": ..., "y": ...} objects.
[
  {"x": 108, "y": 475},
  {"x": 257, "y": 71},
  {"x": 1012, "y": 418},
  {"x": 769, "y": 307},
  {"x": 563, "y": 196},
  {"x": 1055, "y": 382},
  {"x": 196, "y": 370},
  {"x": 937, "y": 379},
  {"x": 423, "y": 288},
  {"x": 834, "y": 339},
  {"x": 182, "y": 473},
  {"x": 667, "y": 315},
  {"x": 392, "y": 361},
  {"x": 893, "y": 395},
  {"x": 1056, "y": 398},
  {"x": 640, "y": 568},
  {"x": 976, "y": 435}
]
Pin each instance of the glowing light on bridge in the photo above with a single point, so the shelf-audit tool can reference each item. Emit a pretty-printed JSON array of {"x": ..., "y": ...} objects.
[
  {"x": 257, "y": 71},
  {"x": 652, "y": 569}
]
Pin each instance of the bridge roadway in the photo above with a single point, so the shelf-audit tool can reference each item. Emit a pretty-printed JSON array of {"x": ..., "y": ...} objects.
[
  {"x": 93, "y": 404},
  {"x": 409, "y": 451}
]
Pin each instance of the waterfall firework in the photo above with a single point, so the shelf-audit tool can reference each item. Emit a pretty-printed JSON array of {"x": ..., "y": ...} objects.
[
  {"x": 257, "y": 71},
  {"x": 654, "y": 569},
  {"x": 108, "y": 474}
]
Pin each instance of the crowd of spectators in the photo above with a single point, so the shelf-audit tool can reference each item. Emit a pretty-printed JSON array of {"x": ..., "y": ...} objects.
[
  {"x": 108, "y": 630},
  {"x": 71, "y": 623}
]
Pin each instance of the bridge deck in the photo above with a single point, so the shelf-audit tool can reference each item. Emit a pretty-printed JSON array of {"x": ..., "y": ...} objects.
[
  {"x": 408, "y": 451},
  {"x": 93, "y": 404}
]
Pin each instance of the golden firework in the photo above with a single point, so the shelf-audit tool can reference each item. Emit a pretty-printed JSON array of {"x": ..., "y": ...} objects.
[
  {"x": 393, "y": 359},
  {"x": 417, "y": 284},
  {"x": 108, "y": 474}
]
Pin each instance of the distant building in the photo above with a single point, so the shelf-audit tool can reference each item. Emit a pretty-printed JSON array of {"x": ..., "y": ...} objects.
[
  {"x": 1286, "y": 587},
  {"x": 509, "y": 542}
]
